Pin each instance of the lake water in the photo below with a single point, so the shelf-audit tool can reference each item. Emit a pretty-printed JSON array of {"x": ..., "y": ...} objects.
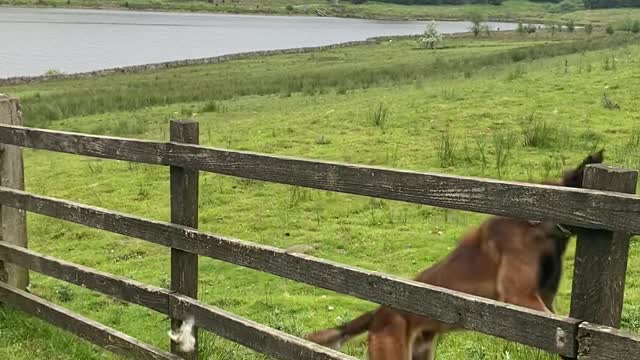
[{"x": 36, "y": 40}]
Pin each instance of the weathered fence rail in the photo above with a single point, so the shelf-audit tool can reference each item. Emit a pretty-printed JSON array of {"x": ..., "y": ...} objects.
[
  {"x": 243, "y": 331},
  {"x": 604, "y": 212},
  {"x": 95, "y": 332},
  {"x": 474, "y": 313},
  {"x": 587, "y": 208}
]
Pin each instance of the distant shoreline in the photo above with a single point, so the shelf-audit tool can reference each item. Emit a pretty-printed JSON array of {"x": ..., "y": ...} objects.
[
  {"x": 21, "y": 80},
  {"x": 171, "y": 8}
]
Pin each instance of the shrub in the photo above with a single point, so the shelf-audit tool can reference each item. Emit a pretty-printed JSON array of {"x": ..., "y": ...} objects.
[
  {"x": 635, "y": 27},
  {"x": 588, "y": 28},
  {"x": 53, "y": 72},
  {"x": 431, "y": 36},
  {"x": 610, "y": 30},
  {"x": 571, "y": 26}
]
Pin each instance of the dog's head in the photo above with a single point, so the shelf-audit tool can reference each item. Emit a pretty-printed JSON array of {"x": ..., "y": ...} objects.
[{"x": 574, "y": 177}]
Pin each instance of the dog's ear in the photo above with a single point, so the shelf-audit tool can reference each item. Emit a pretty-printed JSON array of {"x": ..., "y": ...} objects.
[{"x": 574, "y": 177}]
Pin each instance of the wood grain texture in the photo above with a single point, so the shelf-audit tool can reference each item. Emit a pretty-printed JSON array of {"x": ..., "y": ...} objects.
[
  {"x": 548, "y": 332},
  {"x": 255, "y": 336},
  {"x": 116, "y": 286},
  {"x": 95, "y": 332},
  {"x": 598, "y": 342},
  {"x": 246, "y": 332},
  {"x": 184, "y": 211},
  {"x": 601, "y": 256},
  {"x": 13, "y": 222},
  {"x": 581, "y": 207}
]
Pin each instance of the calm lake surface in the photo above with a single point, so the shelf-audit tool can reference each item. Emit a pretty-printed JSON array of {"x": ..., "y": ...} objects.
[{"x": 36, "y": 40}]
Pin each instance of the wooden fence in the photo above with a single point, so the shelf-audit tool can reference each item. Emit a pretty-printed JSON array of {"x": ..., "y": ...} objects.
[{"x": 606, "y": 211}]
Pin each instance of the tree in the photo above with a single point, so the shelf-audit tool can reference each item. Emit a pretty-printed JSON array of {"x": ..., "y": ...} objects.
[
  {"x": 476, "y": 23},
  {"x": 571, "y": 26},
  {"x": 431, "y": 36}
]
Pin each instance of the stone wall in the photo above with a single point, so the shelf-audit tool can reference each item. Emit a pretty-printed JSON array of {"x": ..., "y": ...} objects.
[{"x": 18, "y": 80}]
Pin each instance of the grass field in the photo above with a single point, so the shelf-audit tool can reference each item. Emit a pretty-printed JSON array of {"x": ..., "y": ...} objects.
[
  {"x": 536, "y": 101},
  {"x": 511, "y": 10}
]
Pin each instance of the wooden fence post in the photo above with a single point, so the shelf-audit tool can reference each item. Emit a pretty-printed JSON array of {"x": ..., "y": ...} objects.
[
  {"x": 601, "y": 256},
  {"x": 13, "y": 222},
  {"x": 184, "y": 211}
]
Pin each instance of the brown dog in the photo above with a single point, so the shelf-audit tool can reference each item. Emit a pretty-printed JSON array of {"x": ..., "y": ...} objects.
[{"x": 510, "y": 260}]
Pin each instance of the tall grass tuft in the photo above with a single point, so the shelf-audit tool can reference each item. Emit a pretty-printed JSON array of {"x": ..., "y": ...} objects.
[
  {"x": 503, "y": 143},
  {"x": 537, "y": 133},
  {"x": 447, "y": 149},
  {"x": 379, "y": 115}
]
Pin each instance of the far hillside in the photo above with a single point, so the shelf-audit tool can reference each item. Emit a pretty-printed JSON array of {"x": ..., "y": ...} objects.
[
  {"x": 598, "y": 12},
  {"x": 516, "y": 106}
]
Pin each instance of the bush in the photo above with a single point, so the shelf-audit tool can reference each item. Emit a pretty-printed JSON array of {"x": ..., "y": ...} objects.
[
  {"x": 289, "y": 7},
  {"x": 588, "y": 28},
  {"x": 431, "y": 36},
  {"x": 635, "y": 28},
  {"x": 571, "y": 26},
  {"x": 53, "y": 72},
  {"x": 610, "y": 30}
]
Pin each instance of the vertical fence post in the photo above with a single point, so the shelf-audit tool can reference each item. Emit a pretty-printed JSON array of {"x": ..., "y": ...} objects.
[
  {"x": 601, "y": 256},
  {"x": 184, "y": 211},
  {"x": 13, "y": 222}
]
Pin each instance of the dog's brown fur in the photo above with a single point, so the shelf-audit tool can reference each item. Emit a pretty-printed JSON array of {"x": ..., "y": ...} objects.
[{"x": 510, "y": 260}]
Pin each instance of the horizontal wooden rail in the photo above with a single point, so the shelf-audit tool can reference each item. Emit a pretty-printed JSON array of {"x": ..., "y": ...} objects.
[
  {"x": 95, "y": 332},
  {"x": 258, "y": 337},
  {"x": 548, "y": 332},
  {"x": 604, "y": 343},
  {"x": 580, "y": 207}
]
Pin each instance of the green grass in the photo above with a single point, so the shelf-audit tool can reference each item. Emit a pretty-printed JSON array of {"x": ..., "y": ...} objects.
[
  {"x": 513, "y": 10},
  {"x": 496, "y": 107}
]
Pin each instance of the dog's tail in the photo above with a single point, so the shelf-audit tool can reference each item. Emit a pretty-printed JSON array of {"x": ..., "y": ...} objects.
[{"x": 335, "y": 337}]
